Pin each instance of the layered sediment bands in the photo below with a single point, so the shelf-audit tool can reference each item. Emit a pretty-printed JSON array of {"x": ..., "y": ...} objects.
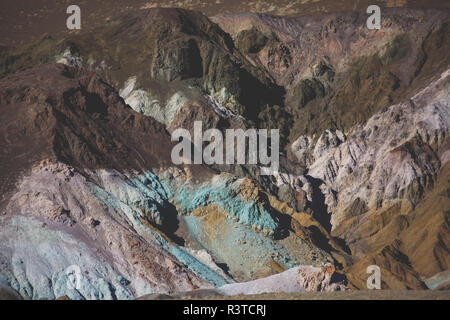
[
  {"x": 92, "y": 211},
  {"x": 302, "y": 74},
  {"x": 86, "y": 176},
  {"x": 69, "y": 114},
  {"x": 336, "y": 72},
  {"x": 90, "y": 185},
  {"x": 378, "y": 184},
  {"x": 300, "y": 279},
  {"x": 234, "y": 220},
  {"x": 393, "y": 156},
  {"x": 59, "y": 218},
  {"x": 239, "y": 198},
  {"x": 159, "y": 46}
]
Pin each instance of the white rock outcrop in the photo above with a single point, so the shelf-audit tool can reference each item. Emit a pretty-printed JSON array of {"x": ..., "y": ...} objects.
[
  {"x": 377, "y": 161},
  {"x": 299, "y": 279}
]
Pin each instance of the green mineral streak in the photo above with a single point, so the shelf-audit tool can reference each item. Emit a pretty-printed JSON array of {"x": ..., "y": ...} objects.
[{"x": 224, "y": 194}]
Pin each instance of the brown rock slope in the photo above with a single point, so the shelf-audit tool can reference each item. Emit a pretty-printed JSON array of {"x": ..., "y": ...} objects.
[
  {"x": 411, "y": 245},
  {"x": 336, "y": 72},
  {"x": 368, "y": 177},
  {"x": 75, "y": 193},
  {"x": 29, "y": 19},
  {"x": 71, "y": 115},
  {"x": 67, "y": 141}
]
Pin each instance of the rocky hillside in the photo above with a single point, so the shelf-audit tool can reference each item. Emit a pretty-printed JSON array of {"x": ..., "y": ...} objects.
[
  {"x": 86, "y": 177},
  {"x": 29, "y": 19},
  {"x": 78, "y": 191}
]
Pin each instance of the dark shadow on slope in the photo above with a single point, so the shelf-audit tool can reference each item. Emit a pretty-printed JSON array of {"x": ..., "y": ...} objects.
[
  {"x": 318, "y": 205},
  {"x": 341, "y": 242},
  {"x": 95, "y": 104},
  {"x": 319, "y": 239},
  {"x": 170, "y": 224},
  {"x": 284, "y": 221},
  {"x": 225, "y": 268},
  {"x": 338, "y": 278}
]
